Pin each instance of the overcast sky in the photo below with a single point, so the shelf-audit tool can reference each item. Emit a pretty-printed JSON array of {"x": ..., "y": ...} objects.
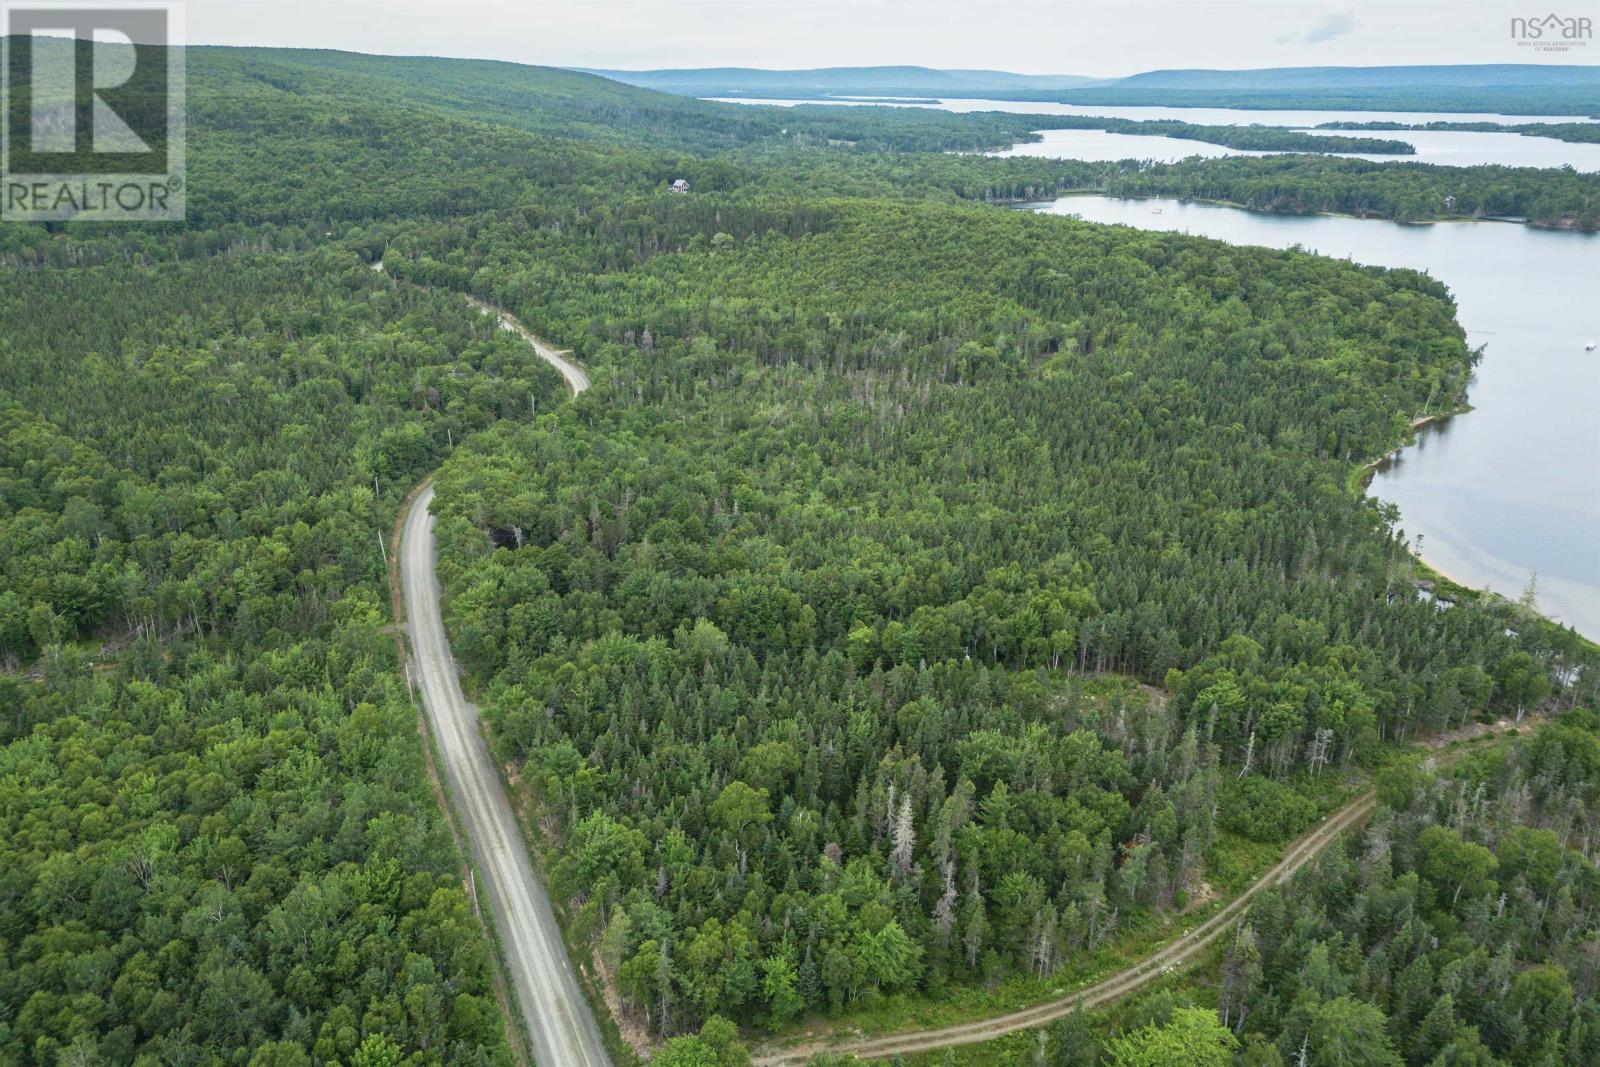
[{"x": 1032, "y": 36}]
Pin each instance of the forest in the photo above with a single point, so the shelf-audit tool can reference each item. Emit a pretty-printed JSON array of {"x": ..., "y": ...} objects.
[
  {"x": 1575, "y": 132},
  {"x": 1456, "y": 930},
  {"x": 746, "y": 602},
  {"x": 925, "y": 594},
  {"x": 1254, "y": 138},
  {"x": 218, "y": 841},
  {"x": 1405, "y": 192}
]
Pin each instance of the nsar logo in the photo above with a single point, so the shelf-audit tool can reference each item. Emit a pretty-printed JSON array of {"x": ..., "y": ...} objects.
[{"x": 1553, "y": 33}]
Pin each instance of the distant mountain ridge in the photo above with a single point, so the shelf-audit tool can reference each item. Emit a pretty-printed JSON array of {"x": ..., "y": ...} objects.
[
  {"x": 1468, "y": 76},
  {"x": 884, "y": 80},
  {"x": 1523, "y": 87}
]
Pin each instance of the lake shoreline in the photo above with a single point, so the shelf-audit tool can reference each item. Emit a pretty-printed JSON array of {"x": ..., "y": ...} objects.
[
  {"x": 1362, "y": 478},
  {"x": 1433, "y": 572},
  {"x": 1492, "y": 479},
  {"x": 1065, "y": 194},
  {"x": 1362, "y": 481}
]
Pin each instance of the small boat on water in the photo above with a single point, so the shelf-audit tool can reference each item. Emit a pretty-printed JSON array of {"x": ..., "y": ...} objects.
[{"x": 1589, "y": 347}]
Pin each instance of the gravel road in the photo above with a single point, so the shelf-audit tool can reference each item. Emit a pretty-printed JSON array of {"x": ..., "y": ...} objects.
[{"x": 560, "y": 1025}]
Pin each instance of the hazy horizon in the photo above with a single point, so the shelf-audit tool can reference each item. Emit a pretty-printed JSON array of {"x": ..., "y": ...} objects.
[{"x": 1094, "y": 39}]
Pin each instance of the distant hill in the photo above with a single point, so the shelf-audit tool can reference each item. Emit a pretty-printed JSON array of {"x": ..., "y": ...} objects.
[
  {"x": 1524, "y": 88},
  {"x": 566, "y": 104},
  {"x": 1468, "y": 76},
  {"x": 844, "y": 81},
  {"x": 1034, "y": 81}
]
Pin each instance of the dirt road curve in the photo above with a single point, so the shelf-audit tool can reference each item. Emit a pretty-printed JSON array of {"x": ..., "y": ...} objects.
[
  {"x": 560, "y": 1026},
  {"x": 1171, "y": 956},
  {"x": 577, "y": 380}
]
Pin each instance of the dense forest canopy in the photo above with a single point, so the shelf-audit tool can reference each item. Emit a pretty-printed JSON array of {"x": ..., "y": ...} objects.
[
  {"x": 806, "y": 570},
  {"x": 1456, "y": 929},
  {"x": 218, "y": 840},
  {"x": 1405, "y": 192},
  {"x": 1459, "y": 929},
  {"x": 924, "y": 594}
]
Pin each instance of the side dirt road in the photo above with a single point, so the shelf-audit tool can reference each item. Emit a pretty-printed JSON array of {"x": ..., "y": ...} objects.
[
  {"x": 560, "y": 1026},
  {"x": 1169, "y": 957}
]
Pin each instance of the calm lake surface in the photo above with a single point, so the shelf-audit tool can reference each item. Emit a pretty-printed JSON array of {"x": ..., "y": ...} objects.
[
  {"x": 1448, "y": 148},
  {"x": 1512, "y": 488},
  {"x": 1445, "y": 148}
]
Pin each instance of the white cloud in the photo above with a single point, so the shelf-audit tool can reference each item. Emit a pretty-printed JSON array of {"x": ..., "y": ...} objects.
[{"x": 1336, "y": 24}]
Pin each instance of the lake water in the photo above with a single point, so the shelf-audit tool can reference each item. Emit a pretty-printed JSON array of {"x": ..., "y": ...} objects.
[
  {"x": 1447, "y": 148},
  {"x": 1511, "y": 488}
]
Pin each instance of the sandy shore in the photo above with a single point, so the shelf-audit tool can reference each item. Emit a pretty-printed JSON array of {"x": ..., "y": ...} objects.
[{"x": 1441, "y": 572}]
